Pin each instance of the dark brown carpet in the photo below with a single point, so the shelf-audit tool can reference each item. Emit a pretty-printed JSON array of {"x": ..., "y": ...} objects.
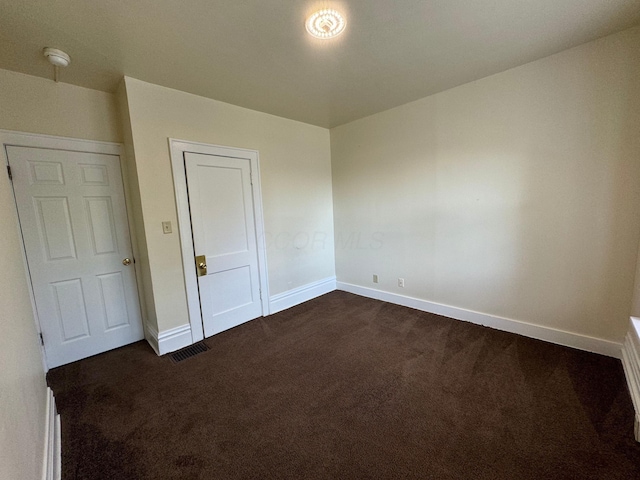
[{"x": 352, "y": 388}]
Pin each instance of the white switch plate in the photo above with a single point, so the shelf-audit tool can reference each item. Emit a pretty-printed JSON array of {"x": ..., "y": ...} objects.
[
  {"x": 375, "y": 278},
  {"x": 166, "y": 227},
  {"x": 401, "y": 282}
]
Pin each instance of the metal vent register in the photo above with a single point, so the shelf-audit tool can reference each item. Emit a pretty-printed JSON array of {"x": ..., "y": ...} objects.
[{"x": 188, "y": 352}]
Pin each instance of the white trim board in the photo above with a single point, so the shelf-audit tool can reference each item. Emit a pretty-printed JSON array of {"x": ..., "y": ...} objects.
[
  {"x": 548, "y": 334},
  {"x": 177, "y": 149},
  {"x": 169, "y": 340},
  {"x": 302, "y": 294},
  {"x": 52, "y": 460},
  {"x": 37, "y": 140},
  {"x": 631, "y": 365}
]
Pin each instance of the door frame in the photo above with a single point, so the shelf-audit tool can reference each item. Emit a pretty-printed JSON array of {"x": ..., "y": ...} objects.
[
  {"x": 11, "y": 138},
  {"x": 178, "y": 148}
]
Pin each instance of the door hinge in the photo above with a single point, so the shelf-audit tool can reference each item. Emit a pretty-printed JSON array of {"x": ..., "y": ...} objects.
[
  {"x": 41, "y": 339},
  {"x": 251, "y": 177},
  {"x": 9, "y": 172}
]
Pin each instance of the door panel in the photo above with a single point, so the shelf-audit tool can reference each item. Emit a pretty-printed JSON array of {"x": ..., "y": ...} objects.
[
  {"x": 101, "y": 225},
  {"x": 74, "y": 225},
  {"x": 222, "y": 189},
  {"x": 114, "y": 300},
  {"x": 223, "y": 224},
  {"x": 70, "y": 309},
  {"x": 231, "y": 288},
  {"x": 54, "y": 226}
]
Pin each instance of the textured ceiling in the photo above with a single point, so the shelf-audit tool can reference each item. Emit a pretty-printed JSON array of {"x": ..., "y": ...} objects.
[{"x": 257, "y": 54}]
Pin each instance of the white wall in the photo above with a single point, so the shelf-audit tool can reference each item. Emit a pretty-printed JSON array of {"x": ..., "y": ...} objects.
[
  {"x": 296, "y": 186},
  {"x": 33, "y": 105},
  {"x": 516, "y": 195}
]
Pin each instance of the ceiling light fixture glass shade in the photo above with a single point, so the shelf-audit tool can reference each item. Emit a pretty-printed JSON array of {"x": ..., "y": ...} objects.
[{"x": 326, "y": 24}]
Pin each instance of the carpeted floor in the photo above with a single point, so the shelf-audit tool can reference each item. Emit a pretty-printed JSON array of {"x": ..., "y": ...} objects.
[{"x": 344, "y": 387}]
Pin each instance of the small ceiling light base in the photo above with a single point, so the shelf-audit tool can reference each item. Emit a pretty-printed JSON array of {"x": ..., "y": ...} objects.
[
  {"x": 57, "y": 57},
  {"x": 325, "y": 24}
]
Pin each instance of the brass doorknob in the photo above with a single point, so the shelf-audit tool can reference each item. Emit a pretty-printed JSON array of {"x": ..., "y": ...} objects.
[
  {"x": 126, "y": 262},
  {"x": 201, "y": 262}
]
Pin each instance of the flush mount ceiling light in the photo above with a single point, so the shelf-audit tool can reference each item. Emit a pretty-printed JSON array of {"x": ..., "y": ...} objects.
[
  {"x": 326, "y": 23},
  {"x": 57, "y": 58}
]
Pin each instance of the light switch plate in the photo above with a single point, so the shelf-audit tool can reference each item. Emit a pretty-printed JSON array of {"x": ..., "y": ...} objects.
[{"x": 166, "y": 227}]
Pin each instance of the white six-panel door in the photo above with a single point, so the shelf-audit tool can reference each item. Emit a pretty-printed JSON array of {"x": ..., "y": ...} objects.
[
  {"x": 73, "y": 219},
  {"x": 223, "y": 225}
]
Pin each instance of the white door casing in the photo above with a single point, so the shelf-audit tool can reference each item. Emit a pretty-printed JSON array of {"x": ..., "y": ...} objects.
[
  {"x": 222, "y": 187},
  {"x": 73, "y": 217}
]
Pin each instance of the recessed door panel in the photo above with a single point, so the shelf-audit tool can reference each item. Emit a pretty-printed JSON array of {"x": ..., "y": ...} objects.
[
  {"x": 101, "y": 224},
  {"x": 231, "y": 289},
  {"x": 46, "y": 173},
  {"x": 222, "y": 190},
  {"x": 54, "y": 226},
  {"x": 70, "y": 309},
  {"x": 114, "y": 300},
  {"x": 94, "y": 174}
]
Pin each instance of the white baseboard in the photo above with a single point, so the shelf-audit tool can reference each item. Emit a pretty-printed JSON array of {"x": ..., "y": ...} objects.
[
  {"x": 296, "y": 296},
  {"x": 52, "y": 463},
  {"x": 631, "y": 365},
  {"x": 169, "y": 340},
  {"x": 548, "y": 334}
]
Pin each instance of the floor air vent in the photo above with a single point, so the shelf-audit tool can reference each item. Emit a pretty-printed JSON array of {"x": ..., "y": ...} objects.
[{"x": 188, "y": 352}]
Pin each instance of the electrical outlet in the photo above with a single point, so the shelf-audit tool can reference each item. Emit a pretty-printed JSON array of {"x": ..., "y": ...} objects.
[
  {"x": 401, "y": 282},
  {"x": 166, "y": 227},
  {"x": 375, "y": 279}
]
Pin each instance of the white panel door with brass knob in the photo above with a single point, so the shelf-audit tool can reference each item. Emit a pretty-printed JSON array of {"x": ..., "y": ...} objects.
[
  {"x": 73, "y": 219},
  {"x": 223, "y": 223}
]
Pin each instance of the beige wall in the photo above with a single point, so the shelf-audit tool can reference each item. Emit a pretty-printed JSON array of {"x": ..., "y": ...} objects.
[
  {"x": 295, "y": 167},
  {"x": 36, "y": 105},
  {"x": 134, "y": 203},
  {"x": 22, "y": 384},
  {"x": 33, "y": 105},
  {"x": 516, "y": 195}
]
